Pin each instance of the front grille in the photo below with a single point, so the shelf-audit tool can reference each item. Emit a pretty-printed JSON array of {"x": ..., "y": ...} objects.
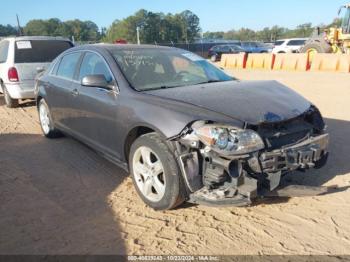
[{"x": 279, "y": 135}]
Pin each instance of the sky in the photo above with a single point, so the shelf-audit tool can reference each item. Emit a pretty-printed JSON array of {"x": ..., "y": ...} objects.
[{"x": 215, "y": 15}]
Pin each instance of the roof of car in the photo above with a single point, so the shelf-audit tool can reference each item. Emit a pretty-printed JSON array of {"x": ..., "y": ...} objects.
[
  {"x": 24, "y": 38},
  {"x": 119, "y": 46},
  {"x": 288, "y": 39}
]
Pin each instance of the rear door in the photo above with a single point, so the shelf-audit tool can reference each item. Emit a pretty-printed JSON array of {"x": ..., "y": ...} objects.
[
  {"x": 60, "y": 92},
  {"x": 33, "y": 54},
  {"x": 4, "y": 48}
]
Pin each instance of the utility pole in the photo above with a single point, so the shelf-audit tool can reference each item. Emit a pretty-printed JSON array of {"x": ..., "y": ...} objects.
[
  {"x": 138, "y": 35},
  {"x": 20, "y": 32}
]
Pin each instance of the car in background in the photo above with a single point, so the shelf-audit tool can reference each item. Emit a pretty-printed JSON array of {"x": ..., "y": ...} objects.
[
  {"x": 292, "y": 45},
  {"x": 21, "y": 59},
  {"x": 183, "y": 128},
  {"x": 255, "y": 47},
  {"x": 216, "y": 51}
]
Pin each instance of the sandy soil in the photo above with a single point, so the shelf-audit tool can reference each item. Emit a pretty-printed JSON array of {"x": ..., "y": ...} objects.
[{"x": 60, "y": 197}]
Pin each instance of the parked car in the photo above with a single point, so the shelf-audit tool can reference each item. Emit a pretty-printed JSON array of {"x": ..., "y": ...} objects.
[
  {"x": 292, "y": 45},
  {"x": 21, "y": 58},
  {"x": 216, "y": 51},
  {"x": 184, "y": 129},
  {"x": 255, "y": 47}
]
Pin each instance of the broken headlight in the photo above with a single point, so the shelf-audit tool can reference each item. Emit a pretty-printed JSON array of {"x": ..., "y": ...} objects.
[{"x": 229, "y": 140}]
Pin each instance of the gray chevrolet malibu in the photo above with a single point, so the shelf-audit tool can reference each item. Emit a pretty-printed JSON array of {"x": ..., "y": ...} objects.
[{"x": 182, "y": 128}]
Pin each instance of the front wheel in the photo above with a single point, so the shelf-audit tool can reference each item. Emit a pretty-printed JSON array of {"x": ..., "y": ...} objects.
[
  {"x": 46, "y": 122},
  {"x": 155, "y": 173},
  {"x": 213, "y": 58}
]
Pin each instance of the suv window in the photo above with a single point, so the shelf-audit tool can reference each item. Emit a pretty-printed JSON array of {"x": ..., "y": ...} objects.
[
  {"x": 93, "y": 64},
  {"x": 277, "y": 43},
  {"x": 39, "y": 51},
  {"x": 225, "y": 48},
  {"x": 296, "y": 42},
  {"x": 68, "y": 65},
  {"x": 4, "y": 47}
]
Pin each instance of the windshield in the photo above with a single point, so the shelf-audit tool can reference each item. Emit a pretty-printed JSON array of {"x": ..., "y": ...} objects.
[
  {"x": 156, "y": 68},
  {"x": 277, "y": 43},
  {"x": 346, "y": 21}
]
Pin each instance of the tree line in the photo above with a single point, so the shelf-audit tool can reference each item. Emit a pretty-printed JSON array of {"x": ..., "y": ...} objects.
[{"x": 153, "y": 28}]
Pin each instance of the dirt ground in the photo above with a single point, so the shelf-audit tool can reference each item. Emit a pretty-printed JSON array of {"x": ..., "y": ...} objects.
[{"x": 60, "y": 197}]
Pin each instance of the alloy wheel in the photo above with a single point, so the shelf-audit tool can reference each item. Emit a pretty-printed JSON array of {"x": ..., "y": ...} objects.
[{"x": 148, "y": 172}]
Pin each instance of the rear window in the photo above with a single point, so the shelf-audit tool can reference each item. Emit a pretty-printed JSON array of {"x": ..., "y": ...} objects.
[{"x": 39, "y": 51}]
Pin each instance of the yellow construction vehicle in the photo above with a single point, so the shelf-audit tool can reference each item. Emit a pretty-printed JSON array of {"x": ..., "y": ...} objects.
[{"x": 332, "y": 40}]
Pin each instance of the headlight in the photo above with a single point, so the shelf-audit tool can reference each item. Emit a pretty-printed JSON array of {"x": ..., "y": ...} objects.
[{"x": 229, "y": 140}]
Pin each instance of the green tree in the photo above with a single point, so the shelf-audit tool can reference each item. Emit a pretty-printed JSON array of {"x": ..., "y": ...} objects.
[
  {"x": 155, "y": 27},
  {"x": 7, "y": 30}
]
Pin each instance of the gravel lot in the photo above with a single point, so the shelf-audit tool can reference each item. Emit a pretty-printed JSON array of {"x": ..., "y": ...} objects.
[{"x": 60, "y": 197}]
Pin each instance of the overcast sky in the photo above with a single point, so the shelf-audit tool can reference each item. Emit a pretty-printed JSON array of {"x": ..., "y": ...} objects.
[{"x": 215, "y": 15}]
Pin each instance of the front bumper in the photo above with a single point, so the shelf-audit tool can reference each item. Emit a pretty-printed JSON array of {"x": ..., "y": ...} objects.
[
  {"x": 254, "y": 175},
  {"x": 306, "y": 154}
]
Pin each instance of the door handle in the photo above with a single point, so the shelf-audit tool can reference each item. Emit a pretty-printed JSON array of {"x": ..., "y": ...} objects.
[{"x": 75, "y": 92}]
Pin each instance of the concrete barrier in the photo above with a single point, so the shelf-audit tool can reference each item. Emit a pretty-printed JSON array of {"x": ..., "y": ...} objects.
[
  {"x": 223, "y": 60},
  {"x": 260, "y": 61},
  {"x": 331, "y": 63},
  {"x": 234, "y": 61},
  {"x": 291, "y": 62}
]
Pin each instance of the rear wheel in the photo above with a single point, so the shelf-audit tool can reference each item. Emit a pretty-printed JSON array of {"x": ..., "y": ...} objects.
[
  {"x": 46, "y": 122},
  {"x": 155, "y": 173},
  {"x": 10, "y": 102}
]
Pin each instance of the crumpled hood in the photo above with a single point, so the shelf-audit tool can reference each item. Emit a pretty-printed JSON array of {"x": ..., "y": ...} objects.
[{"x": 253, "y": 102}]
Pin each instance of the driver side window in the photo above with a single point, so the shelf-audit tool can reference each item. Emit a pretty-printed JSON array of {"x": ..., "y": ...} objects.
[{"x": 93, "y": 64}]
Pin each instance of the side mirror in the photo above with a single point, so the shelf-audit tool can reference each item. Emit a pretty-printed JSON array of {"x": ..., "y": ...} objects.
[
  {"x": 40, "y": 70},
  {"x": 96, "y": 81}
]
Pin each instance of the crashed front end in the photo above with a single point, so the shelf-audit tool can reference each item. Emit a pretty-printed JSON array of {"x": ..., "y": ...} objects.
[{"x": 225, "y": 165}]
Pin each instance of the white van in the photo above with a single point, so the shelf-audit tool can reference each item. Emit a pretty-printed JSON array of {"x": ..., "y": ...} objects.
[{"x": 21, "y": 58}]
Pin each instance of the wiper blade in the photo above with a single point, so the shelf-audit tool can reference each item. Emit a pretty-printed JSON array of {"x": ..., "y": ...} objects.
[
  {"x": 160, "y": 87},
  {"x": 210, "y": 81}
]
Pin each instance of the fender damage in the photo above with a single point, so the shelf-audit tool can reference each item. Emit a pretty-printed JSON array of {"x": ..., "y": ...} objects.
[{"x": 213, "y": 178}]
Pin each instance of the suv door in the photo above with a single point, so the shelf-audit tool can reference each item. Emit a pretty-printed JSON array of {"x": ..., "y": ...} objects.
[
  {"x": 60, "y": 92},
  {"x": 96, "y": 120},
  {"x": 4, "y": 47}
]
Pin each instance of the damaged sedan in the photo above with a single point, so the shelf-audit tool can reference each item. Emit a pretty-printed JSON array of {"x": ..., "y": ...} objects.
[{"x": 183, "y": 129}]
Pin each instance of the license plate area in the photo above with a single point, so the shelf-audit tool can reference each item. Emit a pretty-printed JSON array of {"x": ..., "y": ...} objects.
[{"x": 302, "y": 155}]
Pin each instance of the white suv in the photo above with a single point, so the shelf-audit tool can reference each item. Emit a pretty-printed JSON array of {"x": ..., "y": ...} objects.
[
  {"x": 21, "y": 58},
  {"x": 292, "y": 45}
]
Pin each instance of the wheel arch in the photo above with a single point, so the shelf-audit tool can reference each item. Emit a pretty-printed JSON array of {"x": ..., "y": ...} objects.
[{"x": 135, "y": 133}]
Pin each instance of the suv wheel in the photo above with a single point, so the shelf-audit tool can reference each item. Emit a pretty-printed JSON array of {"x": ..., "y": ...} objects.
[
  {"x": 155, "y": 173},
  {"x": 10, "y": 102},
  {"x": 46, "y": 122}
]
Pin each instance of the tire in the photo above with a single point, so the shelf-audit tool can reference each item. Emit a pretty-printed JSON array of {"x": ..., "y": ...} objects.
[
  {"x": 10, "y": 102},
  {"x": 161, "y": 189},
  {"x": 46, "y": 123},
  {"x": 213, "y": 58},
  {"x": 318, "y": 46}
]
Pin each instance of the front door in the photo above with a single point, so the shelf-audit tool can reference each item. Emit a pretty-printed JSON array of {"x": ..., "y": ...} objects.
[{"x": 97, "y": 118}]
